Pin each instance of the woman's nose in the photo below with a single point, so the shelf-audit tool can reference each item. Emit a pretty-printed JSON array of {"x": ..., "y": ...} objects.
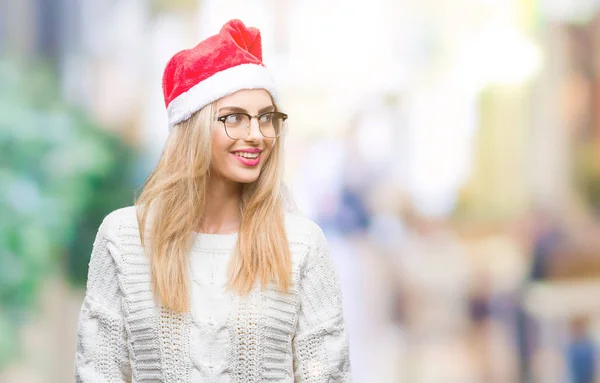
[{"x": 254, "y": 134}]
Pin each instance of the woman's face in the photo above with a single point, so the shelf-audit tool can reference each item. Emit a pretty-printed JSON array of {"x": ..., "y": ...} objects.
[{"x": 241, "y": 160}]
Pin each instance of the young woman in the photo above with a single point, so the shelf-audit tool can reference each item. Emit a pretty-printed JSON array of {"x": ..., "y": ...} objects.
[{"x": 207, "y": 278}]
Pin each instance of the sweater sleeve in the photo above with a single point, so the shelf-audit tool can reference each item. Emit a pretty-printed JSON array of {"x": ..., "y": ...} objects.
[
  {"x": 102, "y": 354},
  {"x": 320, "y": 343}
]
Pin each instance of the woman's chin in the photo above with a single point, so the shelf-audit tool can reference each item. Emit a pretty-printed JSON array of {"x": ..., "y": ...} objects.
[{"x": 246, "y": 176}]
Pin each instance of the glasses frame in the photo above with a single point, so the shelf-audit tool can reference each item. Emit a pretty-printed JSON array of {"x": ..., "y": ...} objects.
[{"x": 222, "y": 119}]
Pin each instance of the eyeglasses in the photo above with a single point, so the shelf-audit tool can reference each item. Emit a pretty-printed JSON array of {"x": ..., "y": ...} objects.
[{"x": 237, "y": 125}]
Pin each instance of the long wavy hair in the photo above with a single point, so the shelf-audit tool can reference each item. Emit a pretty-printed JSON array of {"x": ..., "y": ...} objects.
[{"x": 173, "y": 201}]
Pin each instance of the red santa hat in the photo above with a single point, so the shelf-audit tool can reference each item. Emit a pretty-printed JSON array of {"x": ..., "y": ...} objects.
[{"x": 216, "y": 67}]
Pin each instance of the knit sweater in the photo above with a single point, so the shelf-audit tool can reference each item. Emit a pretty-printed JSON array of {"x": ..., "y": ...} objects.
[{"x": 267, "y": 336}]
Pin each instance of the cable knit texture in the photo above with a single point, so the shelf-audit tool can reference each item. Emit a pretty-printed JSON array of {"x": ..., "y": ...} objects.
[{"x": 266, "y": 336}]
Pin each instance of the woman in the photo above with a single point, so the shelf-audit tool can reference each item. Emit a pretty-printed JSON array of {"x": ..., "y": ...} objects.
[{"x": 207, "y": 278}]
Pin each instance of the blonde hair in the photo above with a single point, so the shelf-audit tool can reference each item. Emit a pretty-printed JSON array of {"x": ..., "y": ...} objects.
[{"x": 172, "y": 204}]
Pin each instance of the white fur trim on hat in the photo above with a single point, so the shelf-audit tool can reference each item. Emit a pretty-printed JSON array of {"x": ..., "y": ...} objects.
[{"x": 219, "y": 85}]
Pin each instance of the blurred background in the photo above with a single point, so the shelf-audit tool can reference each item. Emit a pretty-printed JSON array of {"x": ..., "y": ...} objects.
[{"x": 454, "y": 145}]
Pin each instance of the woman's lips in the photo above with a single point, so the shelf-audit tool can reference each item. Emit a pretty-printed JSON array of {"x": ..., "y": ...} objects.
[{"x": 248, "y": 161}]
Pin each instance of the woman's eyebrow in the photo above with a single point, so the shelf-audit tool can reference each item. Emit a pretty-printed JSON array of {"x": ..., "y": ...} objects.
[
  {"x": 269, "y": 108},
  {"x": 233, "y": 109},
  {"x": 237, "y": 109}
]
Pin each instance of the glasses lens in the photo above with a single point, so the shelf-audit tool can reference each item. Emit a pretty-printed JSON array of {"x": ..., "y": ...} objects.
[
  {"x": 271, "y": 124},
  {"x": 236, "y": 125}
]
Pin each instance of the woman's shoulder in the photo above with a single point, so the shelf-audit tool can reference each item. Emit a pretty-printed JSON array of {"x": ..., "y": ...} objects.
[
  {"x": 120, "y": 219},
  {"x": 117, "y": 227},
  {"x": 302, "y": 229},
  {"x": 308, "y": 234}
]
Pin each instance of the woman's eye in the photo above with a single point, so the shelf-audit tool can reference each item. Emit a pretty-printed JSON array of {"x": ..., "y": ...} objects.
[
  {"x": 265, "y": 118},
  {"x": 233, "y": 119}
]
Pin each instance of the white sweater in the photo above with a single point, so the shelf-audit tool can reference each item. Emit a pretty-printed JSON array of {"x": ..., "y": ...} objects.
[{"x": 267, "y": 336}]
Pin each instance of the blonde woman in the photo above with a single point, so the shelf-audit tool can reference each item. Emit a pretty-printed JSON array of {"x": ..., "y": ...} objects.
[{"x": 207, "y": 278}]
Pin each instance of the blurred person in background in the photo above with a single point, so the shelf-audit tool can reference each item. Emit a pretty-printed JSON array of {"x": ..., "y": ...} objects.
[
  {"x": 207, "y": 278},
  {"x": 581, "y": 352},
  {"x": 547, "y": 236}
]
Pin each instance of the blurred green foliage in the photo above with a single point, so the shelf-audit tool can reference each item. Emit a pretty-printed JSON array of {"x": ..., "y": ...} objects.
[
  {"x": 587, "y": 173},
  {"x": 60, "y": 174}
]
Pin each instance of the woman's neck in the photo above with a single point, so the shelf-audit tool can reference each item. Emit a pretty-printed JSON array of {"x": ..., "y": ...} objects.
[{"x": 222, "y": 213}]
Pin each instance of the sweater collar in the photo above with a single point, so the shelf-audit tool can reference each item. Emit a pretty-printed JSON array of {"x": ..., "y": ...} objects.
[{"x": 204, "y": 241}]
